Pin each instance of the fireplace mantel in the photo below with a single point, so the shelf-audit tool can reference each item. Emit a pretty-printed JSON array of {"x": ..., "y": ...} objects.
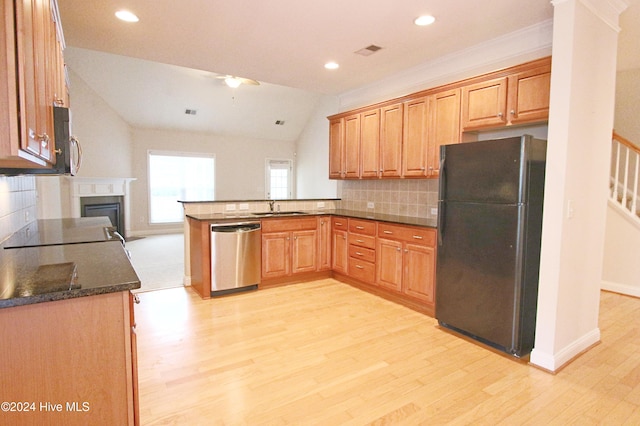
[{"x": 80, "y": 187}]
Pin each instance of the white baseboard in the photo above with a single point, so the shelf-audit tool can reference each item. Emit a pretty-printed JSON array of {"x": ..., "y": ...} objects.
[
  {"x": 553, "y": 362},
  {"x": 626, "y": 289}
]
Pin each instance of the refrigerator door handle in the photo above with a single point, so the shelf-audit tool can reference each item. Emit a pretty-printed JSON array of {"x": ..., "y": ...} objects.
[
  {"x": 442, "y": 183},
  {"x": 441, "y": 212}
]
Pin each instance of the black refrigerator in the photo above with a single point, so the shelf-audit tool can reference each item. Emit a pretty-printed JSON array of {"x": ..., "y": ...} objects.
[{"x": 489, "y": 230}]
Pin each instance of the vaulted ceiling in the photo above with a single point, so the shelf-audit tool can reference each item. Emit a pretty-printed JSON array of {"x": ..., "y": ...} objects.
[{"x": 152, "y": 70}]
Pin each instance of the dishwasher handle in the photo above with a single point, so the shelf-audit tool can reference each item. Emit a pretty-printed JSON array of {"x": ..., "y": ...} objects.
[{"x": 235, "y": 227}]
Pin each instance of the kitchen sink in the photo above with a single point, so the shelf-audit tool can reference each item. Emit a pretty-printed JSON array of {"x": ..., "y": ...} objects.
[{"x": 278, "y": 213}]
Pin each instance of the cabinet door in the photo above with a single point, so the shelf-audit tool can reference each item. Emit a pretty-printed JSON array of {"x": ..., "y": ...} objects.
[
  {"x": 389, "y": 264},
  {"x": 324, "y": 243},
  {"x": 414, "y": 151},
  {"x": 340, "y": 251},
  {"x": 336, "y": 148},
  {"x": 370, "y": 144},
  {"x": 352, "y": 146},
  {"x": 275, "y": 255},
  {"x": 529, "y": 95},
  {"x": 444, "y": 126},
  {"x": 484, "y": 104},
  {"x": 391, "y": 140},
  {"x": 304, "y": 252},
  {"x": 419, "y": 271}
]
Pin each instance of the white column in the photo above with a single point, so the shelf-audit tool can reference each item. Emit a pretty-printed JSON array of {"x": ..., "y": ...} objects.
[{"x": 585, "y": 35}]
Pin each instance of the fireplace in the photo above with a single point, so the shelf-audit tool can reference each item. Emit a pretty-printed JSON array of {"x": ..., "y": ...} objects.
[
  {"x": 110, "y": 207},
  {"x": 109, "y": 197}
]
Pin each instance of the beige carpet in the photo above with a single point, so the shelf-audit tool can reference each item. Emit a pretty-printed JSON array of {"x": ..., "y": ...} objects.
[{"x": 158, "y": 261}]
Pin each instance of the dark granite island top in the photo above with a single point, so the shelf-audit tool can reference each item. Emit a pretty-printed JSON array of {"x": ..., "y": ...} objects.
[
  {"x": 43, "y": 274},
  {"x": 398, "y": 219},
  {"x": 46, "y": 232}
]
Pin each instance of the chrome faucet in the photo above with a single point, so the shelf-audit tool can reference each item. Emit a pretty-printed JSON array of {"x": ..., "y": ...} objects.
[{"x": 271, "y": 203}]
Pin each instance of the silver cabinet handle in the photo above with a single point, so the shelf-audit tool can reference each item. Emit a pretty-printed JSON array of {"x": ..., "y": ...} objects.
[
  {"x": 358, "y": 253},
  {"x": 359, "y": 241},
  {"x": 513, "y": 112},
  {"x": 359, "y": 267},
  {"x": 417, "y": 237},
  {"x": 406, "y": 251},
  {"x": 338, "y": 223},
  {"x": 359, "y": 227},
  {"x": 499, "y": 114},
  {"x": 398, "y": 249},
  {"x": 387, "y": 232},
  {"x": 136, "y": 299}
]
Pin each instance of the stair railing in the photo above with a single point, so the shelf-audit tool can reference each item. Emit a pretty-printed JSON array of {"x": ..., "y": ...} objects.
[{"x": 624, "y": 174}]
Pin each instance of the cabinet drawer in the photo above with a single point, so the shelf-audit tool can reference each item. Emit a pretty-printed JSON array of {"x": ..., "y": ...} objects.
[
  {"x": 340, "y": 223},
  {"x": 283, "y": 225},
  {"x": 422, "y": 236},
  {"x": 362, "y": 253},
  {"x": 362, "y": 240},
  {"x": 364, "y": 227},
  {"x": 361, "y": 270}
]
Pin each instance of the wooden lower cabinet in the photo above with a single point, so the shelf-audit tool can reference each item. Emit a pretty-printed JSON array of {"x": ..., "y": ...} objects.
[
  {"x": 405, "y": 261},
  {"x": 324, "y": 243},
  {"x": 339, "y": 245},
  {"x": 76, "y": 354},
  {"x": 289, "y": 246}
]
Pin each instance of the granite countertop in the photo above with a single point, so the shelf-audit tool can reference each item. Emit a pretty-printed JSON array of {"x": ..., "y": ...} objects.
[
  {"x": 404, "y": 220},
  {"x": 255, "y": 201},
  {"x": 46, "y": 232},
  {"x": 44, "y": 274}
]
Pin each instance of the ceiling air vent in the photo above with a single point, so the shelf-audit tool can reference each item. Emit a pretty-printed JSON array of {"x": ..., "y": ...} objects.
[
  {"x": 279, "y": 122},
  {"x": 190, "y": 111},
  {"x": 369, "y": 50}
]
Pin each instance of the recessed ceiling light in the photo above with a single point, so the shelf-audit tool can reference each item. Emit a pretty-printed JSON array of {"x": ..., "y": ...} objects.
[
  {"x": 331, "y": 66},
  {"x": 125, "y": 15},
  {"x": 424, "y": 20}
]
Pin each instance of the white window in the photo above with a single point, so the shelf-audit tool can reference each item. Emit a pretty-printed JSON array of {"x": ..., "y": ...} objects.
[
  {"x": 279, "y": 179},
  {"x": 177, "y": 176}
]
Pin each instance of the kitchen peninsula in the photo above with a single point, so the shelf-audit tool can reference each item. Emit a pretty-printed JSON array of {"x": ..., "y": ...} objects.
[
  {"x": 66, "y": 314},
  {"x": 392, "y": 256}
]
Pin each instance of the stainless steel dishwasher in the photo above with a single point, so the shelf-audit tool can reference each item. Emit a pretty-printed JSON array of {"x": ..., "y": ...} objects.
[{"x": 235, "y": 257}]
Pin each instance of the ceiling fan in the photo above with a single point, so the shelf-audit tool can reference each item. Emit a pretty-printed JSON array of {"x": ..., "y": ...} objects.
[{"x": 233, "y": 81}]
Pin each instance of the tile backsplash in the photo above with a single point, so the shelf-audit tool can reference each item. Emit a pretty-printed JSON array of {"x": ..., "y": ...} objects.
[
  {"x": 18, "y": 203},
  {"x": 406, "y": 197}
]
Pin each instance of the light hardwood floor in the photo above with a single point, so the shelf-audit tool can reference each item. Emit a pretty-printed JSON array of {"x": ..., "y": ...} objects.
[{"x": 324, "y": 353}]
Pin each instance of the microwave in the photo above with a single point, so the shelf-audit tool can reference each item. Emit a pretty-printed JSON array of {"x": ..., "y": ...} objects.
[{"x": 67, "y": 149}]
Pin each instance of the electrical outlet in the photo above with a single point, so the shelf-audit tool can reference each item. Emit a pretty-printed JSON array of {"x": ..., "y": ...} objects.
[
  {"x": 434, "y": 211},
  {"x": 370, "y": 205},
  {"x": 26, "y": 215},
  {"x": 244, "y": 206},
  {"x": 320, "y": 204},
  {"x": 230, "y": 207}
]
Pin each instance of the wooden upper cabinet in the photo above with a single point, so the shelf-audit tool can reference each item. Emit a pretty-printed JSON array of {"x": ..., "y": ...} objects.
[
  {"x": 444, "y": 126},
  {"x": 336, "y": 148},
  {"x": 352, "y": 146},
  {"x": 391, "y": 120},
  {"x": 31, "y": 49},
  {"x": 529, "y": 95},
  {"x": 370, "y": 143},
  {"x": 484, "y": 104},
  {"x": 414, "y": 148}
]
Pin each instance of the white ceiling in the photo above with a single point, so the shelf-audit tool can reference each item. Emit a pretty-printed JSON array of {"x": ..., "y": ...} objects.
[{"x": 181, "y": 45}]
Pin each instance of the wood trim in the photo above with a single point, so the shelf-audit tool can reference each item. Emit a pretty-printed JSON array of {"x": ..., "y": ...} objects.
[
  {"x": 625, "y": 142},
  {"x": 502, "y": 72}
]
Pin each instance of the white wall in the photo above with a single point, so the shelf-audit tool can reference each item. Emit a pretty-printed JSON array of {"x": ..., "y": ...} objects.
[
  {"x": 312, "y": 152},
  {"x": 104, "y": 135},
  {"x": 626, "y": 121},
  {"x": 621, "y": 268},
  {"x": 240, "y": 166}
]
